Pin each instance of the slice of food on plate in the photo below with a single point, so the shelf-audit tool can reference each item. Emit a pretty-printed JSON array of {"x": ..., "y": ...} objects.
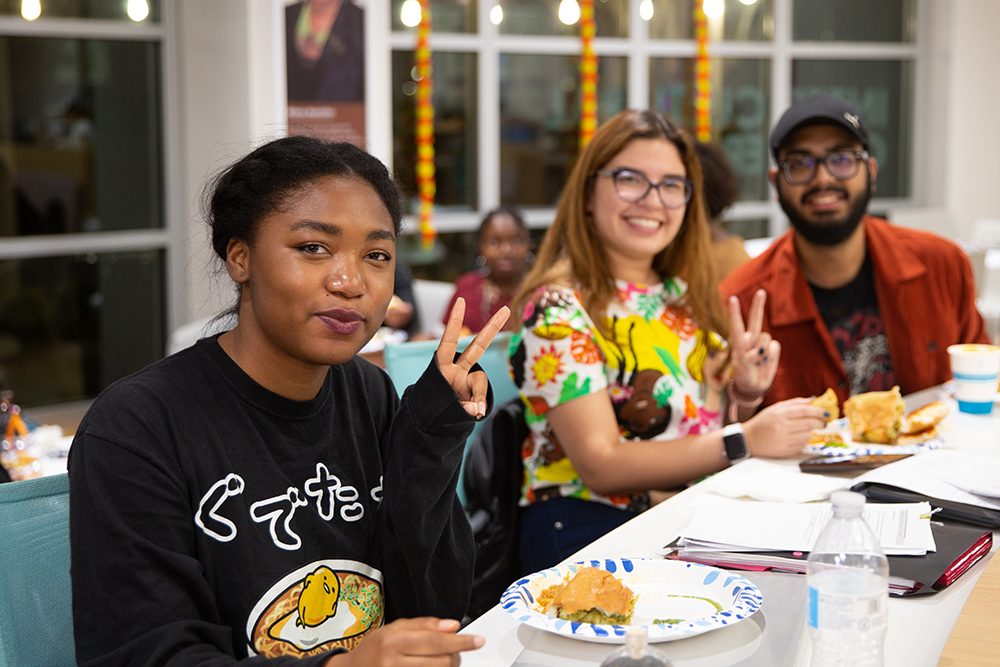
[
  {"x": 925, "y": 418},
  {"x": 592, "y": 596},
  {"x": 826, "y": 439},
  {"x": 828, "y": 401},
  {"x": 875, "y": 416}
]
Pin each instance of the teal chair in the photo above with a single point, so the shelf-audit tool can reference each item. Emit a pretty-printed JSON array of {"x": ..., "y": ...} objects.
[
  {"x": 405, "y": 362},
  {"x": 36, "y": 611}
]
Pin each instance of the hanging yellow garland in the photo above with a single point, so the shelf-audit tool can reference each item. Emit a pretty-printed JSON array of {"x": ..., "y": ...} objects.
[
  {"x": 588, "y": 73},
  {"x": 702, "y": 82},
  {"x": 426, "y": 183}
]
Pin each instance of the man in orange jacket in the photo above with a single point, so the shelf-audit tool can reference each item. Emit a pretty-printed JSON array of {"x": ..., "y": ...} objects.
[{"x": 857, "y": 304}]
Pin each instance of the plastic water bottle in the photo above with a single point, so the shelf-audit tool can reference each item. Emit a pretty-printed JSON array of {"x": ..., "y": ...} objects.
[
  {"x": 637, "y": 652},
  {"x": 848, "y": 578}
]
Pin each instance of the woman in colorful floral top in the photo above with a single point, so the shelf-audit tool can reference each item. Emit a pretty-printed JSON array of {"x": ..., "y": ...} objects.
[{"x": 623, "y": 356}]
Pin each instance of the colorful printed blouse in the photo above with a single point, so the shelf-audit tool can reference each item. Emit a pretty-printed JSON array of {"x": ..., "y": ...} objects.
[{"x": 653, "y": 366}]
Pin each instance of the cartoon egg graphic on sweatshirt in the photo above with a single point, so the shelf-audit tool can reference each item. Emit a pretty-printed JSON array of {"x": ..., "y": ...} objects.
[
  {"x": 318, "y": 599},
  {"x": 318, "y": 607}
]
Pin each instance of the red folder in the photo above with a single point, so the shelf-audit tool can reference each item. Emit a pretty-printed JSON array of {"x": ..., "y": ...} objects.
[{"x": 959, "y": 547}]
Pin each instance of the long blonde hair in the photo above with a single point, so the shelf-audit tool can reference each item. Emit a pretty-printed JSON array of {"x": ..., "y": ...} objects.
[{"x": 572, "y": 253}]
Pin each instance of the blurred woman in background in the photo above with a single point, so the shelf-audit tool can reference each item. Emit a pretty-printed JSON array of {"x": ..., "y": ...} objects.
[
  {"x": 722, "y": 187},
  {"x": 504, "y": 255}
]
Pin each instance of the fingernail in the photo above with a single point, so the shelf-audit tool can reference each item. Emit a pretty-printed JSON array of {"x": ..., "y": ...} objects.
[
  {"x": 761, "y": 350},
  {"x": 767, "y": 357},
  {"x": 479, "y": 641},
  {"x": 447, "y": 624},
  {"x": 826, "y": 413},
  {"x": 482, "y": 410}
]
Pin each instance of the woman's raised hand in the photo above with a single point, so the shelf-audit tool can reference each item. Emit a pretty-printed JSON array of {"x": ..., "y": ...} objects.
[
  {"x": 755, "y": 353},
  {"x": 470, "y": 387}
]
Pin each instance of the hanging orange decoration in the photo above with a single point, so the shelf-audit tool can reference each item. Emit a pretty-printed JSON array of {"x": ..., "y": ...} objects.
[
  {"x": 426, "y": 183},
  {"x": 702, "y": 81},
  {"x": 588, "y": 73}
]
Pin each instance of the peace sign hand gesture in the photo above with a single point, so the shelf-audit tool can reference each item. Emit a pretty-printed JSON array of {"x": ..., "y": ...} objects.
[
  {"x": 470, "y": 387},
  {"x": 755, "y": 353}
]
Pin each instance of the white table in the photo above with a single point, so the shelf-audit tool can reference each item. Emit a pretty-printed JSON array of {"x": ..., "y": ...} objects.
[{"x": 918, "y": 627}]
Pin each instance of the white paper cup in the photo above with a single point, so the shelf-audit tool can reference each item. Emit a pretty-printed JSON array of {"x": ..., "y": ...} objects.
[{"x": 975, "y": 369}]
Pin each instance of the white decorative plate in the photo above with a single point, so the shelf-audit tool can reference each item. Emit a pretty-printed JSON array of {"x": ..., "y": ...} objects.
[
  {"x": 841, "y": 427},
  {"x": 666, "y": 589}
]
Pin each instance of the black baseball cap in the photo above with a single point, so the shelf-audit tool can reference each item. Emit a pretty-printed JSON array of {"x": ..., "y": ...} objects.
[{"x": 818, "y": 110}]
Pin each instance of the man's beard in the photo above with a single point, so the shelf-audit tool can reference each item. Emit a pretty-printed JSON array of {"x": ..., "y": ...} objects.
[{"x": 828, "y": 232}]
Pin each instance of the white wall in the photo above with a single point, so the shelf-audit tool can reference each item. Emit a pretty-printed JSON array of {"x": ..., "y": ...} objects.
[
  {"x": 972, "y": 134},
  {"x": 213, "y": 100},
  {"x": 231, "y": 85}
]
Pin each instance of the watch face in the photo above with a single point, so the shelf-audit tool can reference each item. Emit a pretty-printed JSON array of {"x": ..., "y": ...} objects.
[{"x": 736, "y": 446}]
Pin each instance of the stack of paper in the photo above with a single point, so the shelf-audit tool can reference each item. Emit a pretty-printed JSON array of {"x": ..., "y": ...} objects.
[
  {"x": 721, "y": 524},
  {"x": 779, "y": 536}
]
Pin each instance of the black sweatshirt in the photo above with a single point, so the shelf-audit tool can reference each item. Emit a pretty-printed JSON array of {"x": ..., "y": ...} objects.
[{"x": 212, "y": 519}]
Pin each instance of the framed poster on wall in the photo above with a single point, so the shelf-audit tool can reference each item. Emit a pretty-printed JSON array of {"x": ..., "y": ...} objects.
[{"x": 325, "y": 68}]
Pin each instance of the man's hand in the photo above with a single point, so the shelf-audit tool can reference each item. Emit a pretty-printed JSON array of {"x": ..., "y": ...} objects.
[
  {"x": 471, "y": 388},
  {"x": 411, "y": 642}
]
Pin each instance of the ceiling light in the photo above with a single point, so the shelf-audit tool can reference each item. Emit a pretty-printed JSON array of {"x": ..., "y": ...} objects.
[
  {"x": 31, "y": 9},
  {"x": 646, "y": 10},
  {"x": 569, "y": 12},
  {"x": 137, "y": 10},
  {"x": 410, "y": 13}
]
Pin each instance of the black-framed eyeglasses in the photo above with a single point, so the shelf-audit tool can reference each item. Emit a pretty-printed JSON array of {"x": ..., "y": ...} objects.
[
  {"x": 842, "y": 165},
  {"x": 633, "y": 186}
]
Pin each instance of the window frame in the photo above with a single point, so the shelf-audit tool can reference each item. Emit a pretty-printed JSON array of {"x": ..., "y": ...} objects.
[
  {"x": 488, "y": 44},
  {"x": 171, "y": 236}
]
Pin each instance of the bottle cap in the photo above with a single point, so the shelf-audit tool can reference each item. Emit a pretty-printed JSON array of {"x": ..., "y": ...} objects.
[
  {"x": 847, "y": 503},
  {"x": 635, "y": 641}
]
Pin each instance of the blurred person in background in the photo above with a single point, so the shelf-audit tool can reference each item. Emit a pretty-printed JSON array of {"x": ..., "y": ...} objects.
[
  {"x": 722, "y": 187},
  {"x": 504, "y": 258}
]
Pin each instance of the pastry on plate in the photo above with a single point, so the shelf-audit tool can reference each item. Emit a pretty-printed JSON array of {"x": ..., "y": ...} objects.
[
  {"x": 827, "y": 439},
  {"x": 925, "y": 418},
  {"x": 592, "y": 596},
  {"x": 875, "y": 416},
  {"x": 828, "y": 401}
]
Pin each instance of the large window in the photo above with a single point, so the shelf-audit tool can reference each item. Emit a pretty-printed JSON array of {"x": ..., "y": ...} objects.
[
  {"x": 83, "y": 237},
  {"x": 540, "y": 121},
  {"x": 764, "y": 54}
]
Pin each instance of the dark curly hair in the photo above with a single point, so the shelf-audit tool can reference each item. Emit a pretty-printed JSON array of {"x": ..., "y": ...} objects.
[
  {"x": 722, "y": 185},
  {"x": 484, "y": 224},
  {"x": 260, "y": 183}
]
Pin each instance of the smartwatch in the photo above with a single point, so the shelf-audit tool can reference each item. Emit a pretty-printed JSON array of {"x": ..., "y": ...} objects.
[{"x": 735, "y": 443}]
